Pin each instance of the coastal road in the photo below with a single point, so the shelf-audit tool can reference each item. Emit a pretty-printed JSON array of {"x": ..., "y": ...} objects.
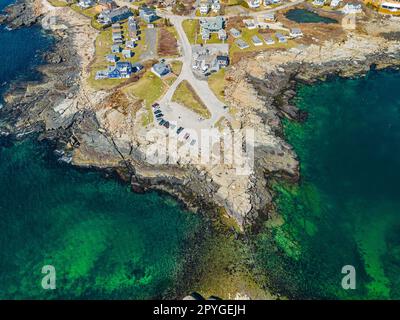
[{"x": 213, "y": 104}]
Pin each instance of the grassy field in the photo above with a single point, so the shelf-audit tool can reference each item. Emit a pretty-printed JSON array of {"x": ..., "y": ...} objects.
[
  {"x": 89, "y": 12},
  {"x": 186, "y": 96},
  {"x": 149, "y": 88},
  {"x": 103, "y": 47},
  {"x": 58, "y": 3},
  {"x": 216, "y": 83},
  {"x": 191, "y": 27},
  {"x": 176, "y": 67}
]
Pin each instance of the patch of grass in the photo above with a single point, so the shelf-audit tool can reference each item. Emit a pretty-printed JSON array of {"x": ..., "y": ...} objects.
[
  {"x": 149, "y": 88},
  {"x": 191, "y": 28},
  {"x": 216, "y": 83},
  {"x": 185, "y": 95},
  {"x": 89, "y": 12},
  {"x": 58, "y": 3},
  {"x": 176, "y": 67}
]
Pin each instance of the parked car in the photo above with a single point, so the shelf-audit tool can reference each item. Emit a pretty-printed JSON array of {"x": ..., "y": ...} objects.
[
  {"x": 166, "y": 124},
  {"x": 155, "y": 105},
  {"x": 161, "y": 123},
  {"x": 186, "y": 136},
  {"x": 193, "y": 142},
  {"x": 180, "y": 129},
  {"x": 173, "y": 126},
  {"x": 157, "y": 111},
  {"x": 160, "y": 115}
]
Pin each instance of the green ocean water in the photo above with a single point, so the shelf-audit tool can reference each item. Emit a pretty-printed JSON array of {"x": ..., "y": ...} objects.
[
  {"x": 103, "y": 240},
  {"x": 346, "y": 209}
]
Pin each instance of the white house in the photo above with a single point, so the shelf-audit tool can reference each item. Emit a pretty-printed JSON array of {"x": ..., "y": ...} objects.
[
  {"x": 256, "y": 41},
  {"x": 204, "y": 8},
  {"x": 250, "y": 24},
  {"x": 318, "y": 3},
  {"x": 334, "y": 3},
  {"x": 253, "y": 4},
  {"x": 295, "y": 33},
  {"x": 270, "y": 2},
  {"x": 216, "y": 6},
  {"x": 352, "y": 8},
  {"x": 84, "y": 4}
]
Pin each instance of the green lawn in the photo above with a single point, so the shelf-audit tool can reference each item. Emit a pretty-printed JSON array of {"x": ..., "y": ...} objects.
[
  {"x": 58, "y": 3},
  {"x": 149, "y": 88},
  {"x": 185, "y": 95},
  {"x": 191, "y": 26},
  {"x": 216, "y": 83}
]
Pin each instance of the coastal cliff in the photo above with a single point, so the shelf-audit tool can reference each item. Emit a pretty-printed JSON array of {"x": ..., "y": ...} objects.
[{"x": 88, "y": 129}]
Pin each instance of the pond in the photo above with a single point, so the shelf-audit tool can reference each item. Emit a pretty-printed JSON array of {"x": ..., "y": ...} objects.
[{"x": 306, "y": 16}]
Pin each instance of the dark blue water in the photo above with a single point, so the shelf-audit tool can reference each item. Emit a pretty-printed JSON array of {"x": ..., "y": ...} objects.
[{"x": 20, "y": 52}]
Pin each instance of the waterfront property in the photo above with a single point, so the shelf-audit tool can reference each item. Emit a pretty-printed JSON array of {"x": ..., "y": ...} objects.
[
  {"x": 85, "y": 4},
  {"x": 107, "y": 4},
  {"x": 295, "y": 33},
  {"x": 242, "y": 44},
  {"x": 318, "y": 3},
  {"x": 281, "y": 38},
  {"x": 350, "y": 8},
  {"x": 110, "y": 16},
  {"x": 269, "y": 16},
  {"x": 256, "y": 40},
  {"x": 253, "y": 4},
  {"x": 209, "y": 59},
  {"x": 161, "y": 69},
  {"x": 235, "y": 33},
  {"x": 268, "y": 39},
  {"x": 148, "y": 15},
  {"x": 271, "y": 2},
  {"x": 335, "y": 3}
]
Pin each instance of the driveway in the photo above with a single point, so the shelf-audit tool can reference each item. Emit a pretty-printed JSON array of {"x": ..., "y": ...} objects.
[{"x": 151, "y": 44}]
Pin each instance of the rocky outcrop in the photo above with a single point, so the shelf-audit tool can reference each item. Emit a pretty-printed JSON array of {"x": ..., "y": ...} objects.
[{"x": 89, "y": 130}]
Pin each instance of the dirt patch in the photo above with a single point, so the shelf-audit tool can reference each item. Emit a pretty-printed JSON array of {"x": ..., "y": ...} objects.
[{"x": 167, "y": 44}]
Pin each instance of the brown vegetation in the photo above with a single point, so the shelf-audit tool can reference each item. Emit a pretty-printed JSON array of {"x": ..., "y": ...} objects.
[{"x": 167, "y": 44}]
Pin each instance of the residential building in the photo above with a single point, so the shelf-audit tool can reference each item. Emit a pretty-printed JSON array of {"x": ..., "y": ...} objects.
[
  {"x": 222, "y": 61},
  {"x": 235, "y": 33},
  {"x": 295, "y": 33},
  {"x": 318, "y": 3},
  {"x": 268, "y": 39},
  {"x": 281, "y": 38},
  {"x": 133, "y": 27},
  {"x": 161, "y": 69},
  {"x": 334, "y": 3},
  {"x": 222, "y": 35},
  {"x": 204, "y": 8},
  {"x": 127, "y": 53},
  {"x": 216, "y": 6},
  {"x": 117, "y": 37},
  {"x": 350, "y": 8},
  {"x": 241, "y": 44},
  {"x": 250, "y": 24},
  {"x": 107, "y": 4},
  {"x": 115, "y": 48},
  {"x": 212, "y": 24},
  {"x": 269, "y": 16},
  {"x": 253, "y": 4},
  {"x": 112, "y": 58},
  {"x": 121, "y": 70},
  {"x": 114, "y": 15},
  {"x": 256, "y": 40},
  {"x": 205, "y": 34},
  {"x": 148, "y": 15},
  {"x": 386, "y": 6},
  {"x": 271, "y": 2},
  {"x": 84, "y": 4},
  {"x": 130, "y": 44}
]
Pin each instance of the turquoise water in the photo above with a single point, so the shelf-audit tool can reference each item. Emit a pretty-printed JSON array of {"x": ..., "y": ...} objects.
[
  {"x": 103, "y": 240},
  {"x": 306, "y": 16},
  {"x": 346, "y": 210}
]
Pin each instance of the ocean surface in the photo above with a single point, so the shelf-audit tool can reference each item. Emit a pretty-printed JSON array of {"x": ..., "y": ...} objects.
[
  {"x": 103, "y": 240},
  {"x": 346, "y": 210}
]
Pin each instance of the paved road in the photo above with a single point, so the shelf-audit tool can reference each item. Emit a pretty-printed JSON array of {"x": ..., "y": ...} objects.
[
  {"x": 215, "y": 106},
  {"x": 151, "y": 44}
]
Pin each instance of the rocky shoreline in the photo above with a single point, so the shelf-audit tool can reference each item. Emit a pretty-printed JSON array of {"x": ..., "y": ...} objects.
[{"x": 82, "y": 138}]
